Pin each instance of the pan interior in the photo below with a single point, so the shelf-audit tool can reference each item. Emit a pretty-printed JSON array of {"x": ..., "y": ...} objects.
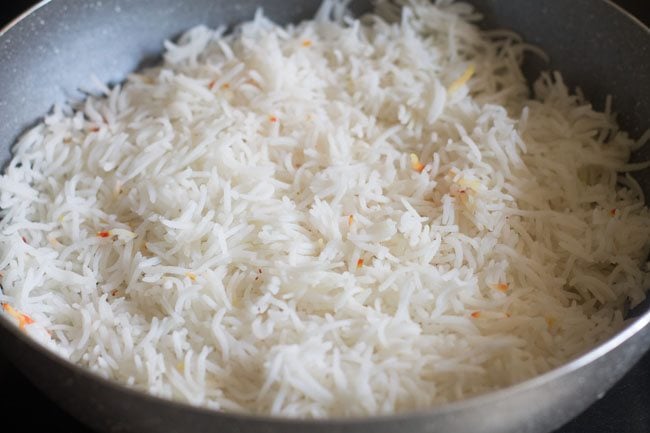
[{"x": 64, "y": 35}]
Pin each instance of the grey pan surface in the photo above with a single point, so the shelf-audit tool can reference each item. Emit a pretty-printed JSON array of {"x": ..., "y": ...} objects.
[{"x": 52, "y": 52}]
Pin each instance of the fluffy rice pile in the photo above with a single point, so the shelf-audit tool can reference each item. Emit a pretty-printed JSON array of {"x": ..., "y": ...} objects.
[{"x": 343, "y": 217}]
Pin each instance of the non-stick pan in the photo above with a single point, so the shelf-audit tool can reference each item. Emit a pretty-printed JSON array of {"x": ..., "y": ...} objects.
[{"x": 55, "y": 48}]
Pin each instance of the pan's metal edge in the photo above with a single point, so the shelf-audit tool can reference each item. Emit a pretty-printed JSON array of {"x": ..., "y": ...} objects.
[
  {"x": 22, "y": 16},
  {"x": 586, "y": 358},
  {"x": 628, "y": 15}
]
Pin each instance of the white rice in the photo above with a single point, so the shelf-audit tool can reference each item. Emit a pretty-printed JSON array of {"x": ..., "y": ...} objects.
[{"x": 273, "y": 250}]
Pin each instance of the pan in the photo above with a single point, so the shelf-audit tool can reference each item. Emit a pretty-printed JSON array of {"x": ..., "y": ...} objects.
[{"x": 53, "y": 49}]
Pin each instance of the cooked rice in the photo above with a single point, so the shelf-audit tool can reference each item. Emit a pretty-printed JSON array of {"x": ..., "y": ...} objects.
[{"x": 341, "y": 217}]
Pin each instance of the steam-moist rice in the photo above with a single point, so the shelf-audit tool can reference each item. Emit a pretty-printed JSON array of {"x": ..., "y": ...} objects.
[{"x": 342, "y": 217}]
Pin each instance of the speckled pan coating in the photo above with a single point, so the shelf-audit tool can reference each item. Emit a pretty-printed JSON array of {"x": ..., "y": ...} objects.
[{"x": 51, "y": 53}]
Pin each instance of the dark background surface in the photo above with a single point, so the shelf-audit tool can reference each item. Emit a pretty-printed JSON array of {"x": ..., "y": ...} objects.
[{"x": 624, "y": 409}]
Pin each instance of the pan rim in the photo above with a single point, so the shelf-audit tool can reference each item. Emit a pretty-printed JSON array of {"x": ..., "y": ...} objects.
[{"x": 631, "y": 329}]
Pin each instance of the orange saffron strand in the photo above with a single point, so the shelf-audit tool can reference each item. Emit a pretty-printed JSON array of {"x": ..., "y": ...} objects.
[
  {"x": 224, "y": 86},
  {"x": 23, "y": 319},
  {"x": 460, "y": 81},
  {"x": 359, "y": 263},
  {"x": 416, "y": 164},
  {"x": 476, "y": 314},
  {"x": 306, "y": 43},
  {"x": 350, "y": 219},
  {"x": 104, "y": 234},
  {"x": 502, "y": 287},
  {"x": 273, "y": 119}
]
